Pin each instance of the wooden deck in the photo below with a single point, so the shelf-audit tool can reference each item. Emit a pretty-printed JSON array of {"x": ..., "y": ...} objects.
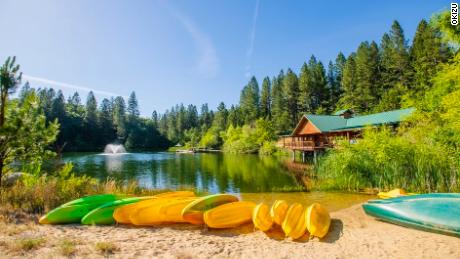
[{"x": 302, "y": 145}]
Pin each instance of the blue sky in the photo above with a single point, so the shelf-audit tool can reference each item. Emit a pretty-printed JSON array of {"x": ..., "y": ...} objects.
[{"x": 188, "y": 51}]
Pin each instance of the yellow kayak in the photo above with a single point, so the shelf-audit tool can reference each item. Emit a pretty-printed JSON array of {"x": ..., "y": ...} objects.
[
  {"x": 318, "y": 220},
  {"x": 261, "y": 217},
  {"x": 294, "y": 224},
  {"x": 122, "y": 214},
  {"x": 229, "y": 215},
  {"x": 278, "y": 211},
  {"x": 393, "y": 194},
  {"x": 154, "y": 211},
  {"x": 193, "y": 213}
]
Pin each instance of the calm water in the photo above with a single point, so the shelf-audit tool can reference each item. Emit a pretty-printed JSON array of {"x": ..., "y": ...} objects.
[{"x": 250, "y": 176}]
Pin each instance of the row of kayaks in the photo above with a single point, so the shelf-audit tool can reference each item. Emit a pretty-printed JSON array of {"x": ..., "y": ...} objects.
[
  {"x": 435, "y": 212},
  {"x": 215, "y": 211}
]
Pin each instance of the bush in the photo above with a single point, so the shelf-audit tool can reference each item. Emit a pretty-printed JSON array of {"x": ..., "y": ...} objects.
[{"x": 249, "y": 138}]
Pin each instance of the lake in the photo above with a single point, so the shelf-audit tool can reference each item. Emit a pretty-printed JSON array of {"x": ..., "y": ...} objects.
[{"x": 251, "y": 177}]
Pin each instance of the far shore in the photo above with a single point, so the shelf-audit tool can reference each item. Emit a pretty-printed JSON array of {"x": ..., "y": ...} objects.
[{"x": 353, "y": 234}]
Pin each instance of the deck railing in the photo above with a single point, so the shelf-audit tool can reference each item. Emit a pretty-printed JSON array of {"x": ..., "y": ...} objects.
[{"x": 306, "y": 145}]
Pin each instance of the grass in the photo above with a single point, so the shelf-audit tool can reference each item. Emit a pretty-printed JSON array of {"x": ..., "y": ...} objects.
[
  {"x": 67, "y": 247},
  {"x": 40, "y": 194},
  {"x": 28, "y": 244},
  {"x": 385, "y": 160},
  {"x": 106, "y": 248}
]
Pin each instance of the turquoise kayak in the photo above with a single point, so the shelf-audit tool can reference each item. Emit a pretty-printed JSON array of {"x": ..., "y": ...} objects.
[{"x": 438, "y": 212}]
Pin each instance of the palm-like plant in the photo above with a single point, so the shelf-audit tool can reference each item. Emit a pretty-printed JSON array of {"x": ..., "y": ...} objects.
[{"x": 10, "y": 78}]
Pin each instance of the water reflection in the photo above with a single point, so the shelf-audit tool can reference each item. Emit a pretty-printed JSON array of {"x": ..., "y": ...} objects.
[{"x": 205, "y": 172}]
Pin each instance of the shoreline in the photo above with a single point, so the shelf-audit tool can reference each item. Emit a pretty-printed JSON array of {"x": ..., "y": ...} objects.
[{"x": 352, "y": 234}]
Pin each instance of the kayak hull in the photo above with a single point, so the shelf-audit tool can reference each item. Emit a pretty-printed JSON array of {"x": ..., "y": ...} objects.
[{"x": 439, "y": 213}]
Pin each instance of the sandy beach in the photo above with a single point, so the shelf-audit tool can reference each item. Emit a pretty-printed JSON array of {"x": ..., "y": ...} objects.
[{"x": 353, "y": 235}]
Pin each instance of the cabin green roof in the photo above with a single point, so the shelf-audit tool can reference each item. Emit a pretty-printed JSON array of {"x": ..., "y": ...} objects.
[{"x": 330, "y": 123}]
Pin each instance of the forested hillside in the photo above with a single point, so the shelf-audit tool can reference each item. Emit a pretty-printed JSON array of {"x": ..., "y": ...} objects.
[{"x": 390, "y": 74}]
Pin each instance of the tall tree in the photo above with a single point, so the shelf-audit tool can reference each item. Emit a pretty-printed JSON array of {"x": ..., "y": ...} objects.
[
  {"x": 367, "y": 91},
  {"x": 106, "y": 122},
  {"x": 119, "y": 116},
  {"x": 349, "y": 83},
  {"x": 280, "y": 113},
  {"x": 249, "y": 101},
  {"x": 305, "y": 89},
  {"x": 133, "y": 106},
  {"x": 395, "y": 67},
  {"x": 220, "y": 118},
  {"x": 320, "y": 91},
  {"x": 155, "y": 119},
  {"x": 91, "y": 109},
  {"x": 265, "y": 99},
  {"x": 291, "y": 92},
  {"x": 426, "y": 53},
  {"x": 335, "y": 74}
]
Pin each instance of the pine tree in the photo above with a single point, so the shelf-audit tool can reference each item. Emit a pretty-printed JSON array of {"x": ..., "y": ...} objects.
[
  {"x": 265, "y": 99},
  {"x": 349, "y": 83},
  {"x": 191, "y": 116},
  {"x": 91, "y": 109},
  {"x": 119, "y": 116},
  {"x": 249, "y": 101},
  {"x": 366, "y": 92},
  {"x": 395, "y": 68},
  {"x": 220, "y": 118},
  {"x": 426, "y": 53},
  {"x": 105, "y": 121},
  {"x": 279, "y": 108},
  {"x": 133, "y": 106},
  {"x": 334, "y": 78},
  {"x": 235, "y": 118},
  {"x": 305, "y": 89},
  {"x": 291, "y": 93},
  {"x": 155, "y": 119},
  {"x": 321, "y": 93}
]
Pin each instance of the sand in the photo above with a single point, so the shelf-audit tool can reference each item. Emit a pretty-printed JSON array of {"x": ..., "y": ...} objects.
[{"x": 353, "y": 235}]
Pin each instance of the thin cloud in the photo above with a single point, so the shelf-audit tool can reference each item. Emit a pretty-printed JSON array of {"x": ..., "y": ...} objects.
[
  {"x": 49, "y": 82},
  {"x": 252, "y": 37},
  {"x": 208, "y": 63}
]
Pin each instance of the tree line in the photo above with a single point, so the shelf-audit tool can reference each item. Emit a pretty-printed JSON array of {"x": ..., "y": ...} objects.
[
  {"x": 90, "y": 126},
  {"x": 376, "y": 77}
]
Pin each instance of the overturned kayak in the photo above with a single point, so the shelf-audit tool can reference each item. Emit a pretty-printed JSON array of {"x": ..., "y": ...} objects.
[
  {"x": 261, "y": 217},
  {"x": 158, "y": 211},
  {"x": 431, "y": 212},
  {"x": 278, "y": 211},
  {"x": 318, "y": 220},
  {"x": 193, "y": 213},
  {"x": 123, "y": 214},
  {"x": 74, "y": 211},
  {"x": 393, "y": 194},
  {"x": 103, "y": 215},
  {"x": 229, "y": 215},
  {"x": 294, "y": 224}
]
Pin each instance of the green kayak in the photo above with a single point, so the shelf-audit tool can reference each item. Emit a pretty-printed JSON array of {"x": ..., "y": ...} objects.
[
  {"x": 73, "y": 211},
  {"x": 103, "y": 215},
  {"x": 438, "y": 212}
]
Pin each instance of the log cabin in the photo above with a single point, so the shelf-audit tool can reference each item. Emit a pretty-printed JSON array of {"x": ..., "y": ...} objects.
[{"x": 318, "y": 132}]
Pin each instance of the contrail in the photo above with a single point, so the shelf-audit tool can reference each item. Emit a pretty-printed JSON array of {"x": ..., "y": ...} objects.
[
  {"x": 208, "y": 63},
  {"x": 66, "y": 85},
  {"x": 252, "y": 38}
]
